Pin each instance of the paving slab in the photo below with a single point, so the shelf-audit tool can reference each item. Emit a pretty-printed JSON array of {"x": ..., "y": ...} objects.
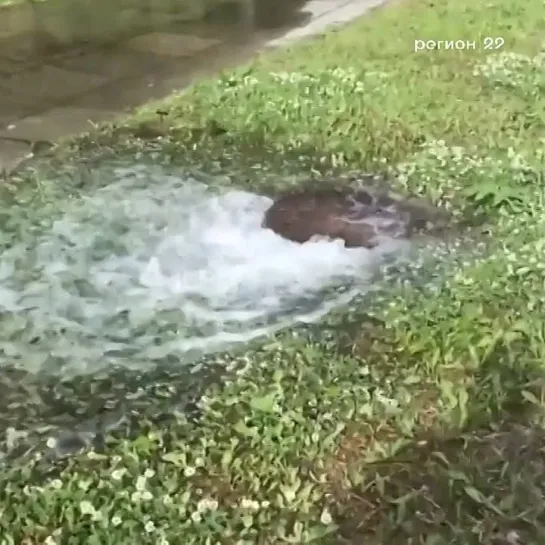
[
  {"x": 326, "y": 14},
  {"x": 317, "y": 8},
  {"x": 57, "y": 123},
  {"x": 113, "y": 63},
  {"x": 164, "y": 79},
  {"x": 174, "y": 45},
  {"x": 16, "y": 19},
  {"x": 18, "y": 48},
  {"x": 46, "y": 85},
  {"x": 10, "y": 113},
  {"x": 123, "y": 96}
]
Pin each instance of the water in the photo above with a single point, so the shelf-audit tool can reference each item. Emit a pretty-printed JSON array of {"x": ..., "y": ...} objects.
[{"x": 156, "y": 267}]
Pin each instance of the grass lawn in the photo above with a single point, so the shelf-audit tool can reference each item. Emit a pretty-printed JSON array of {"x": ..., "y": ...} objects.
[{"x": 420, "y": 426}]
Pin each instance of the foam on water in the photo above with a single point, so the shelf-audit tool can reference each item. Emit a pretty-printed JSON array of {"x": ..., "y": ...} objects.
[{"x": 155, "y": 267}]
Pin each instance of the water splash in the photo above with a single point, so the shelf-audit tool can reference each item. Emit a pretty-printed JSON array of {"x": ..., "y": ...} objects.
[{"x": 156, "y": 267}]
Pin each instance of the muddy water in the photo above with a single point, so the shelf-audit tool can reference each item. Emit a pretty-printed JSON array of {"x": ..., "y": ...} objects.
[{"x": 109, "y": 296}]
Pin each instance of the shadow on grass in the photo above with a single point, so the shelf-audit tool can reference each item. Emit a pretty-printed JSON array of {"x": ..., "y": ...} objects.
[{"x": 483, "y": 487}]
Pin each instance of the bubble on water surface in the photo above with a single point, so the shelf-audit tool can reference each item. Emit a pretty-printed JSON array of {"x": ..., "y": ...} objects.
[{"x": 156, "y": 266}]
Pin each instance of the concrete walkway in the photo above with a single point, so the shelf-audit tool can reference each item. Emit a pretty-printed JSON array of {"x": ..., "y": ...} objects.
[
  {"x": 63, "y": 94},
  {"x": 326, "y": 14}
]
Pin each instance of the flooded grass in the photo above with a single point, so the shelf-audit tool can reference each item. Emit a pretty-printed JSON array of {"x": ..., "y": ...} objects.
[
  {"x": 146, "y": 274},
  {"x": 408, "y": 414},
  {"x": 150, "y": 255}
]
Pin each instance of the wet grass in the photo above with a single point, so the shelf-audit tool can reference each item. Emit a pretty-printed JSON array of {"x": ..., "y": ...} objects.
[{"x": 420, "y": 425}]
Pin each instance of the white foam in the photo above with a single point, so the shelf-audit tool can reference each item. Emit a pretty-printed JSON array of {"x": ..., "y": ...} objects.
[{"x": 166, "y": 267}]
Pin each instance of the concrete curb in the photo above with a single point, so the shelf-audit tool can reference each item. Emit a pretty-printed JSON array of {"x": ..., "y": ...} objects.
[{"x": 326, "y": 14}]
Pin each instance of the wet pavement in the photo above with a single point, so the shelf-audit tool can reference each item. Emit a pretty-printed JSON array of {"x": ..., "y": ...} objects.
[{"x": 50, "y": 90}]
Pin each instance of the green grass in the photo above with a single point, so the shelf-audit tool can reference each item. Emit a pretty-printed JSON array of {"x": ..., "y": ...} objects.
[{"x": 423, "y": 425}]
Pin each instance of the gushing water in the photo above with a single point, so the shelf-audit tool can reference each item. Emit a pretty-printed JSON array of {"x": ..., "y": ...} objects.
[{"x": 155, "y": 267}]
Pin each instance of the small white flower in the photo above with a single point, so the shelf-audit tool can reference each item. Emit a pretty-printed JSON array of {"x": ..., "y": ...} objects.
[
  {"x": 149, "y": 473},
  {"x": 136, "y": 496},
  {"x": 141, "y": 483},
  {"x": 117, "y": 474},
  {"x": 265, "y": 504},
  {"x": 196, "y": 516},
  {"x": 84, "y": 484},
  {"x": 325, "y": 517},
  {"x": 49, "y": 541},
  {"x": 116, "y": 521},
  {"x": 146, "y": 495},
  {"x": 189, "y": 471},
  {"x": 206, "y": 504},
  {"x": 513, "y": 537},
  {"x": 149, "y": 527},
  {"x": 248, "y": 504},
  {"x": 86, "y": 508},
  {"x": 56, "y": 483}
]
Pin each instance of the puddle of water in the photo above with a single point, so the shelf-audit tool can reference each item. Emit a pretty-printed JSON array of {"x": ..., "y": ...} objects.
[{"x": 158, "y": 268}]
